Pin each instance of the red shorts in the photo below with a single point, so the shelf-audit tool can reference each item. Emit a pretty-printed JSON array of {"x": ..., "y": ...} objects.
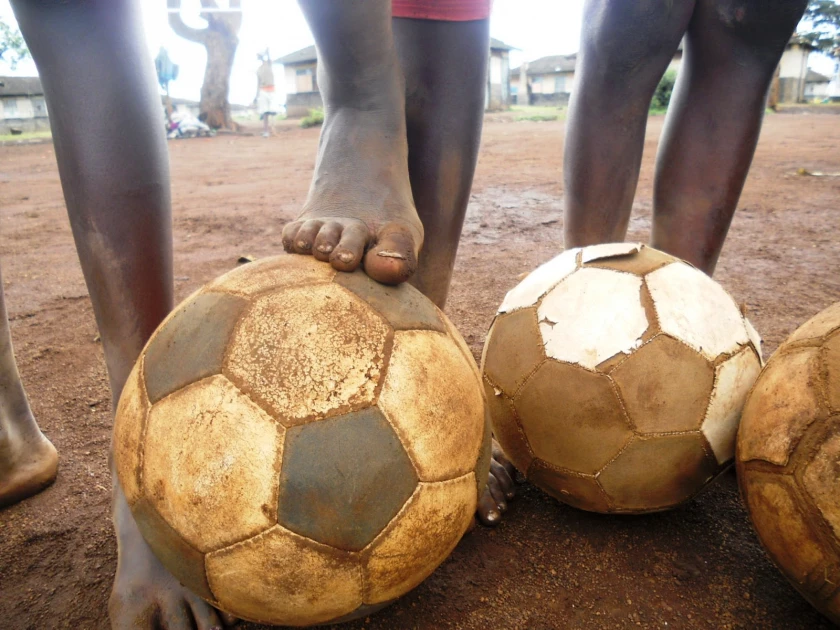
[{"x": 442, "y": 10}]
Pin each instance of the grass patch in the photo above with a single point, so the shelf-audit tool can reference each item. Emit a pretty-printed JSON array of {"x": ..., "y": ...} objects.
[
  {"x": 22, "y": 137},
  {"x": 315, "y": 118},
  {"x": 537, "y": 113}
]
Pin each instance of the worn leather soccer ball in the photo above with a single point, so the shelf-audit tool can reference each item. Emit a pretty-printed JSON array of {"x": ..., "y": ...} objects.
[
  {"x": 302, "y": 446},
  {"x": 789, "y": 460},
  {"x": 615, "y": 376}
]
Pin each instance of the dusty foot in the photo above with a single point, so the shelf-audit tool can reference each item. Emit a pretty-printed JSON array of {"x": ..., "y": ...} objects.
[
  {"x": 501, "y": 488},
  {"x": 28, "y": 464},
  {"x": 360, "y": 209}
]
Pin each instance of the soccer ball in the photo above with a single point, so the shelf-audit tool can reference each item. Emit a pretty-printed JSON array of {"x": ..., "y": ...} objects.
[
  {"x": 615, "y": 376},
  {"x": 302, "y": 446},
  {"x": 789, "y": 460}
]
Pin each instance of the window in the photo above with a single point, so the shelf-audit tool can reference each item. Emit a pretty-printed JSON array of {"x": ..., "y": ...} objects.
[{"x": 39, "y": 107}]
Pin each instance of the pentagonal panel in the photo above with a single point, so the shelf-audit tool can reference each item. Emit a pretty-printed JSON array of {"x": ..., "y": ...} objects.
[
  {"x": 420, "y": 538},
  {"x": 733, "y": 380},
  {"x": 608, "y": 250},
  {"x": 514, "y": 349},
  {"x": 309, "y": 353},
  {"x": 129, "y": 423},
  {"x": 655, "y": 473},
  {"x": 591, "y": 316},
  {"x": 582, "y": 492},
  {"x": 831, "y": 365},
  {"x": 274, "y": 273},
  {"x": 572, "y": 417},
  {"x": 182, "y": 560},
  {"x": 210, "y": 463},
  {"x": 822, "y": 479},
  {"x": 539, "y": 281},
  {"x": 279, "y": 577},
  {"x": 403, "y": 306},
  {"x": 434, "y": 402},
  {"x": 197, "y": 334},
  {"x": 755, "y": 339},
  {"x": 506, "y": 428},
  {"x": 644, "y": 261},
  {"x": 665, "y": 386},
  {"x": 344, "y": 479},
  {"x": 696, "y": 310},
  {"x": 782, "y": 404},
  {"x": 819, "y": 325}
]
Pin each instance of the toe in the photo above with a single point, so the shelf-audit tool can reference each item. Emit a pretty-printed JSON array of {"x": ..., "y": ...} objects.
[
  {"x": 394, "y": 257},
  {"x": 327, "y": 240},
  {"x": 289, "y": 234},
  {"x": 305, "y": 237},
  {"x": 506, "y": 485},
  {"x": 177, "y": 617},
  {"x": 347, "y": 255},
  {"x": 205, "y": 616},
  {"x": 497, "y": 493},
  {"x": 488, "y": 511}
]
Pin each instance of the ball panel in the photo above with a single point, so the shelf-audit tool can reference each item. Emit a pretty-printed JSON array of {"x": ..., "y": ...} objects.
[
  {"x": 432, "y": 399},
  {"x": 780, "y": 407},
  {"x": 347, "y": 503},
  {"x": 581, "y": 406},
  {"x": 514, "y": 349},
  {"x": 605, "y": 251},
  {"x": 281, "y": 578},
  {"x": 733, "y": 380},
  {"x": 656, "y": 473},
  {"x": 644, "y": 261},
  {"x": 403, "y": 306},
  {"x": 211, "y": 463},
  {"x": 180, "y": 558},
  {"x": 507, "y": 429},
  {"x": 539, "y": 281},
  {"x": 695, "y": 309},
  {"x": 309, "y": 353},
  {"x": 422, "y": 536},
  {"x": 819, "y": 325},
  {"x": 580, "y": 491},
  {"x": 665, "y": 386},
  {"x": 831, "y": 363},
  {"x": 600, "y": 315},
  {"x": 821, "y": 477},
  {"x": 129, "y": 424},
  {"x": 199, "y": 348},
  {"x": 755, "y": 339},
  {"x": 273, "y": 273}
]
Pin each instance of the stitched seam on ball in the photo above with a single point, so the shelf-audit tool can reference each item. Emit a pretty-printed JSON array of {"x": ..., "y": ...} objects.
[{"x": 141, "y": 457}]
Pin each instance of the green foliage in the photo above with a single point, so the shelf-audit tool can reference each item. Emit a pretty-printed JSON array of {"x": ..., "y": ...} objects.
[
  {"x": 315, "y": 118},
  {"x": 662, "y": 94},
  {"x": 12, "y": 47},
  {"x": 821, "y": 26}
]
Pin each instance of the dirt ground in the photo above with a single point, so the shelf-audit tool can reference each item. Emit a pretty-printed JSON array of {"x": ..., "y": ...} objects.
[{"x": 547, "y": 565}]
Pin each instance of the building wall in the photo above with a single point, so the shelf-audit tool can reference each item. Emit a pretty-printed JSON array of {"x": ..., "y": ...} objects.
[
  {"x": 298, "y": 105},
  {"x": 498, "y": 81},
  {"x": 816, "y": 90},
  {"x": 23, "y": 113}
]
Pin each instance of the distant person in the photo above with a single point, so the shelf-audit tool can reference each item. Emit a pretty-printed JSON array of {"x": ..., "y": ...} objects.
[{"x": 266, "y": 98}]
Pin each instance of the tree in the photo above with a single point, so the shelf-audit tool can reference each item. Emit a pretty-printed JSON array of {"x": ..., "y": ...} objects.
[
  {"x": 220, "y": 38},
  {"x": 12, "y": 47},
  {"x": 822, "y": 19}
]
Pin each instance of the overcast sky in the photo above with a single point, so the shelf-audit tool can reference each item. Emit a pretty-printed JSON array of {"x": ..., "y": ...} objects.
[{"x": 536, "y": 27}]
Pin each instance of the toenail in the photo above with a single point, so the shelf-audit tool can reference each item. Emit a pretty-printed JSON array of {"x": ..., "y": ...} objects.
[
  {"x": 390, "y": 254},
  {"x": 493, "y": 515},
  {"x": 326, "y": 249},
  {"x": 303, "y": 245},
  {"x": 346, "y": 257},
  {"x": 510, "y": 495}
]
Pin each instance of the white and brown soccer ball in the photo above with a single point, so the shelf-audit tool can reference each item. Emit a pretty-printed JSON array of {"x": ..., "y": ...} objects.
[
  {"x": 302, "y": 446},
  {"x": 789, "y": 459},
  {"x": 615, "y": 377}
]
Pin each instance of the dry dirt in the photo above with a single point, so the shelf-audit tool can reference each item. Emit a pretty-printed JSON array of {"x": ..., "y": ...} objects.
[{"x": 547, "y": 565}]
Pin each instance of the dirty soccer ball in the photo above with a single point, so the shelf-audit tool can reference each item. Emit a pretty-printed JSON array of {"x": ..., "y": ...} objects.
[
  {"x": 302, "y": 446},
  {"x": 789, "y": 460},
  {"x": 615, "y": 376}
]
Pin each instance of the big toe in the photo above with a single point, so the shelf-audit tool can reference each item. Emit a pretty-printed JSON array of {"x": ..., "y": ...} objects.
[{"x": 394, "y": 257}]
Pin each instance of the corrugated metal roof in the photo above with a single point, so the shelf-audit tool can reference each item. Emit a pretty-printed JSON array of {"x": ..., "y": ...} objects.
[{"x": 21, "y": 86}]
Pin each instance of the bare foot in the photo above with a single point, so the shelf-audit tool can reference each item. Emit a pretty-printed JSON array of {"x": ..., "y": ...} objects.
[
  {"x": 28, "y": 462},
  {"x": 360, "y": 209},
  {"x": 501, "y": 488}
]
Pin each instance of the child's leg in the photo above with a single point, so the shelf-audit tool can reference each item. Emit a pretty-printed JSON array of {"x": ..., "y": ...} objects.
[
  {"x": 107, "y": 122},
  {"x": 360, "y": 197},
  {"x": 731, "y": 51},
  {"x": 625, "y": 49}
]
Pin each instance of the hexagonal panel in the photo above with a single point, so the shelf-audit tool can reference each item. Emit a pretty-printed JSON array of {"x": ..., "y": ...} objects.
[
  {"x": 780, "y": 407},
  {"x": 129, "y": 423},
  {"x": 819, "y": 325},
  {"x": 572, "y": 417},
  {"x": 276, "y": 272},
  {"x": 582, "y": 492},
  {"x": 696, "y": 310},
  {"x": 665, "y": 386},
  {"x": 656, "y": 473},
  {"x": 419, "y": 539},
  {"x": 607, "y": 250},
  {"x": 403, "y": 306},
  {"x": 281, "y": 578},
  {"x": 210, "y": 463},
  {"x": 343, "y": 479},
  {"x": 197, "y": 334},
  {"x": 733, "y": 380},
  {"x": 539, "y": 281},
  {"x": 506, "y": 428},
  {"x": 821, "y": 478},
  {"x": 514, "y": 349},
  {"x": 831, "y": 364},
  {"x": 591, "y": 316},
  {"x": 433, "y": 400},
  {"x": 309, "y": 353},
  {"x": 642, "y": 262}
]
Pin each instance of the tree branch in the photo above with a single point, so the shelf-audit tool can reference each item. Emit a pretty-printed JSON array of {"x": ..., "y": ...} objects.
[{"x": 181, "y": 29}]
